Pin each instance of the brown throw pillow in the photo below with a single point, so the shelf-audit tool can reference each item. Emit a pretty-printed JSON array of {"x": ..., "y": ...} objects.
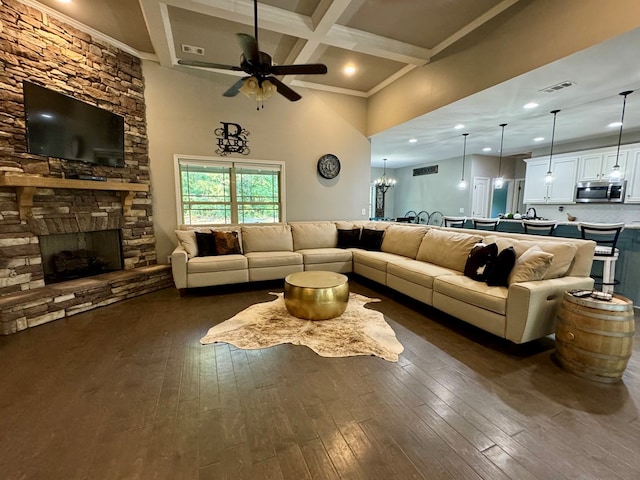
[
  {"x": 480, "y": 260},
  {"x": 206, "y": 244},
  {"x": 226, "y": 242},
  {"x": 499, "y": 273}
]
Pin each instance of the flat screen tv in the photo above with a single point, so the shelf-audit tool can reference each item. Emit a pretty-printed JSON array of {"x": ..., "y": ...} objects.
[{"x": 63, "y": 127}]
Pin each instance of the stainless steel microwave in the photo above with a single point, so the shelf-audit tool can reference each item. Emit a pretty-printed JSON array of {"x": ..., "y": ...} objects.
[{"x": 600, "y": 192}]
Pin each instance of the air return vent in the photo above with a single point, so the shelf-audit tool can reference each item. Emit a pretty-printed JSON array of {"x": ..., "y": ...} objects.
[
  {"x": 192, "y": 49},
  {"x": 558, "y": 86}
]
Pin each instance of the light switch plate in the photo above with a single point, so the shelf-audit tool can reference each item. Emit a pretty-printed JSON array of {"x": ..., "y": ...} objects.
[{"x": 461, "y": 209}]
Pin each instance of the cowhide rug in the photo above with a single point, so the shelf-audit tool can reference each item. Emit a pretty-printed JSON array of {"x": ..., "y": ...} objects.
[{"x": 358, "y": 331}]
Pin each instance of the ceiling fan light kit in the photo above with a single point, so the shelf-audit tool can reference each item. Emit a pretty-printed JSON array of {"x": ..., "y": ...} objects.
[{"x": 261, "y": 81}]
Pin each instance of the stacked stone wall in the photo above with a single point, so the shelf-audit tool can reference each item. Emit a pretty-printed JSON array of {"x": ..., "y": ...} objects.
[{"x": 40, "y": 49}]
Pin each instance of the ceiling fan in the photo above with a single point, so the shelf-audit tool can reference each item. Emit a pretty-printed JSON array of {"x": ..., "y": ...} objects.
[{"x": 258, "y": 65}]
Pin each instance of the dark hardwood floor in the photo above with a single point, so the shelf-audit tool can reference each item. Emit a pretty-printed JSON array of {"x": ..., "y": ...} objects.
[{"x": 127, "y": 391}]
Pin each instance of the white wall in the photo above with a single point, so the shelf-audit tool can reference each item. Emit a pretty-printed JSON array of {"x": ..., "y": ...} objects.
[{"x": 185, "y": 107}]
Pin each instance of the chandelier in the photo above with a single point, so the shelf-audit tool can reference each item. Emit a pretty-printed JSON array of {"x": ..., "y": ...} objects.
[
  {"x": 260, "y": 88},
  {"x": 383, "y": 183}
]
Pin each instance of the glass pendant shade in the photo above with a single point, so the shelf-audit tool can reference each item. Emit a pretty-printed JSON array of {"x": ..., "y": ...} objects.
[
  {"x": 462, "y": 184},
  {"x": 616, "y": 174},
  {"x": 548, "y": 179},
  {"x": 499, "y": 181}
]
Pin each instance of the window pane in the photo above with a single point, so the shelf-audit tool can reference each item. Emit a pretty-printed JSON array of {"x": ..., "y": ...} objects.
[
  {"x": 257, "y": 187},
  {"x": 206, "y": 194},
  {"x": 253, "y": 213}
]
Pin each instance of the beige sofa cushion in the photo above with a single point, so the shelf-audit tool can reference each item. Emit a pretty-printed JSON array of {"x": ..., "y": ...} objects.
[
  {"x": 417, "y": 272},
  {"x": 403, "y": 240},
  {"x": 532, "y": 265},
  {"x": 187, "y": 239},
  {"x": 267, "y": 238},
  {"x": 325, "y": 255},
  {"x": 563, "y": 252},
  {"x": 470, "y": 291},
  {"x": 273, "y": 259},
  {"x": 216, "y": 263},
  {"x": 446, "y": 248},
  {"x": 314, "y": 235}
]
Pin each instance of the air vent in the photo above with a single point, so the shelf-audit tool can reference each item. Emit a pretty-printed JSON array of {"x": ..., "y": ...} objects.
[
  {"x": 558, "y": 86},
  {"x": 192, "y": 49}
]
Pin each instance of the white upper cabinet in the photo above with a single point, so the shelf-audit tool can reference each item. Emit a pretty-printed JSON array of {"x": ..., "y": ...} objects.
[
  {"x": 564, "y": 169},
  {"x": 633, "y": 178},
  {"x": 597, "y": 165}
]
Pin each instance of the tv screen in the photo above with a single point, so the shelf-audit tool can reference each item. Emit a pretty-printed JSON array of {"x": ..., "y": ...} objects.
[{"x": 63, "y": 127}]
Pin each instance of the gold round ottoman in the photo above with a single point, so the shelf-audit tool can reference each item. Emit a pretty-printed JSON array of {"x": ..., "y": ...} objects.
[{"x": 316, "y": 295}]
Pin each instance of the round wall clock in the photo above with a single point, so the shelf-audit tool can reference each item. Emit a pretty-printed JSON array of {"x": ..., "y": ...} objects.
[{"x": 329, "y": 166}]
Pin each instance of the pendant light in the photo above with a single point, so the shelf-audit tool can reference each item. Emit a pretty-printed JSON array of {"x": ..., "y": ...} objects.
[
  {"x": 463, "y": 183},
  {"x": 616, "y": 174},
  {"x": 548, "y": 179},
  {"x": 499, "y": 181}
]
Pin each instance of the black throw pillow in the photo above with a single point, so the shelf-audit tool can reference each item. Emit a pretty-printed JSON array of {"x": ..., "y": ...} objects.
[
  {"x": 206, "y": 244},
  {"x": 348, "y": 238},
  {"x": 499, "y": 274},
  {"x": 371, "y": 239},
  {"x": 480, "y": 261}
]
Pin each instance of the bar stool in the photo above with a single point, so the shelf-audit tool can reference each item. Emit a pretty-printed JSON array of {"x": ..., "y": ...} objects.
[
  {"x": 540, "y": 227},
  {"x": 485, "y": 223},
  {"x": 606, "y": 237},
  {"x": 454, "y": 221}
]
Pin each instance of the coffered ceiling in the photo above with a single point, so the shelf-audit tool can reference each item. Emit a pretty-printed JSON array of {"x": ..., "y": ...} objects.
[{"x": 383, "y": 40}]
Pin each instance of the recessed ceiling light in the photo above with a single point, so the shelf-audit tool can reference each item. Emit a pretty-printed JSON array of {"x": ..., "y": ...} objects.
[
  {"x": 486, "y": 149},
  {"x": 538, "y": 139},
  {"x": 459, "y": 126},
  {"x": 615, "y": 124},
  {"x": 413, "y": 140},
  {"x": 64, "y": 1},
  {"x": 530, "y": 105},
  {"x": 349, "y": 70}
]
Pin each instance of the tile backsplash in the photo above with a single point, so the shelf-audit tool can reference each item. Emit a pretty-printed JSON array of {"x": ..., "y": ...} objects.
[{"x": 593, "y": 212}]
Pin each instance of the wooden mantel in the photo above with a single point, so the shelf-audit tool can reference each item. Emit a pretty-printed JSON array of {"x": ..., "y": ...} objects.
[{"x": 26, "y": 187}]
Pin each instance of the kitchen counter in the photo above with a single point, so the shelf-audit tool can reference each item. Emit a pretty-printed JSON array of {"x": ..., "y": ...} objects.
[{"x": 633, "y": 225}]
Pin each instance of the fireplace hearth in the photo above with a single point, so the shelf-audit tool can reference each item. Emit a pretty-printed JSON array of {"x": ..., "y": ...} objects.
[{"x": 70, "y": 256}]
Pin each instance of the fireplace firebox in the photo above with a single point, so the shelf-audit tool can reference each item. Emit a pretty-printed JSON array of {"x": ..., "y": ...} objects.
[{"x": 69, "y": 256}]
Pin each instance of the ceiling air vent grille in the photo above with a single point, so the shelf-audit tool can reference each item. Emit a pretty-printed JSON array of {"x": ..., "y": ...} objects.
[
  {"x": 558, "y": 86},
  {"x": 192, "y": 49}
]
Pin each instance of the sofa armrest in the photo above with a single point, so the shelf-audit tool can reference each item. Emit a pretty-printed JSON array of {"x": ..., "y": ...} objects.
[
  {"x": 179, "y": 259},
  {"x": 532, "y": 306}
]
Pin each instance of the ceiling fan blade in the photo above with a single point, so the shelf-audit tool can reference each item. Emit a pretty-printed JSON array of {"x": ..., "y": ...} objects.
[
  {"x": 219, "y": 66},
  {"x": 302, "y": 69},
  {"x": 284, "y": 90},
  {"x": 235, "y": 88},
  {"x": 249, "y": 48}
]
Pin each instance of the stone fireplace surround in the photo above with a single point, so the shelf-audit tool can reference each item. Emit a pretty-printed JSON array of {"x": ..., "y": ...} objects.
[{"x": 43, "y": 50}]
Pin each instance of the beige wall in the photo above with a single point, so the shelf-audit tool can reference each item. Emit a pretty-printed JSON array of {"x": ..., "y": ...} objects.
[
  {"x": 185, "y": 107},
  {"x": 528, "y": 35}
]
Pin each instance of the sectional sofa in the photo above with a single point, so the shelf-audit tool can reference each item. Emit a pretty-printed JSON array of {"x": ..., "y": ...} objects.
[{"x": 423, "y": 262}]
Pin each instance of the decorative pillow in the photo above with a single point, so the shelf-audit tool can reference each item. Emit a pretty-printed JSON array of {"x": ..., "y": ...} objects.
[
  {"x": 349, "y": 238},
  {"x": 447, "y": 248},
  {"x": 226, "y": 243},
  {"x": 371, "y": 239},
  {"x": 313, "y": 235},
  {"x": 206, "y": 244},
  {"x": 563, "y": 252},
  {"x": 187, "y": 239},
  {"x": 531, "y": 265},
  {"x": 499, "y": 273},
  {"x": 480, "y": 261}
]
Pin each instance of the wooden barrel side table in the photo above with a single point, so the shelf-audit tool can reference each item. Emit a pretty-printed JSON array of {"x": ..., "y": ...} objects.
[{"x": 594, "y": 338}]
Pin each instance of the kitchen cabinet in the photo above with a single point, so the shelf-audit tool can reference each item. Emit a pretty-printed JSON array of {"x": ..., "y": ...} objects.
[
  {"x": 561, "y": 190},
  {"x": 597, "y": 166},
  {"x": 633, "y": 178}
]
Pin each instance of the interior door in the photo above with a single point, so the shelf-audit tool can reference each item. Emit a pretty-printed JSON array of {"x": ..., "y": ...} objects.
[{"x": 480, "y": 201}]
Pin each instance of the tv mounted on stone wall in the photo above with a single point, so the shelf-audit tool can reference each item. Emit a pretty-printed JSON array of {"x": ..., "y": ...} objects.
[{"x": 63, "y": 127}]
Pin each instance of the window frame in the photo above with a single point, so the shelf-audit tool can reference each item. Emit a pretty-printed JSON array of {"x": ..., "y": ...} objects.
[{"x": 232, "y": 163}]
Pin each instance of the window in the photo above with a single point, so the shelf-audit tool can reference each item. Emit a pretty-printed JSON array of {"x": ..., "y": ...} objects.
[{"x": 215, "y": 191}]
